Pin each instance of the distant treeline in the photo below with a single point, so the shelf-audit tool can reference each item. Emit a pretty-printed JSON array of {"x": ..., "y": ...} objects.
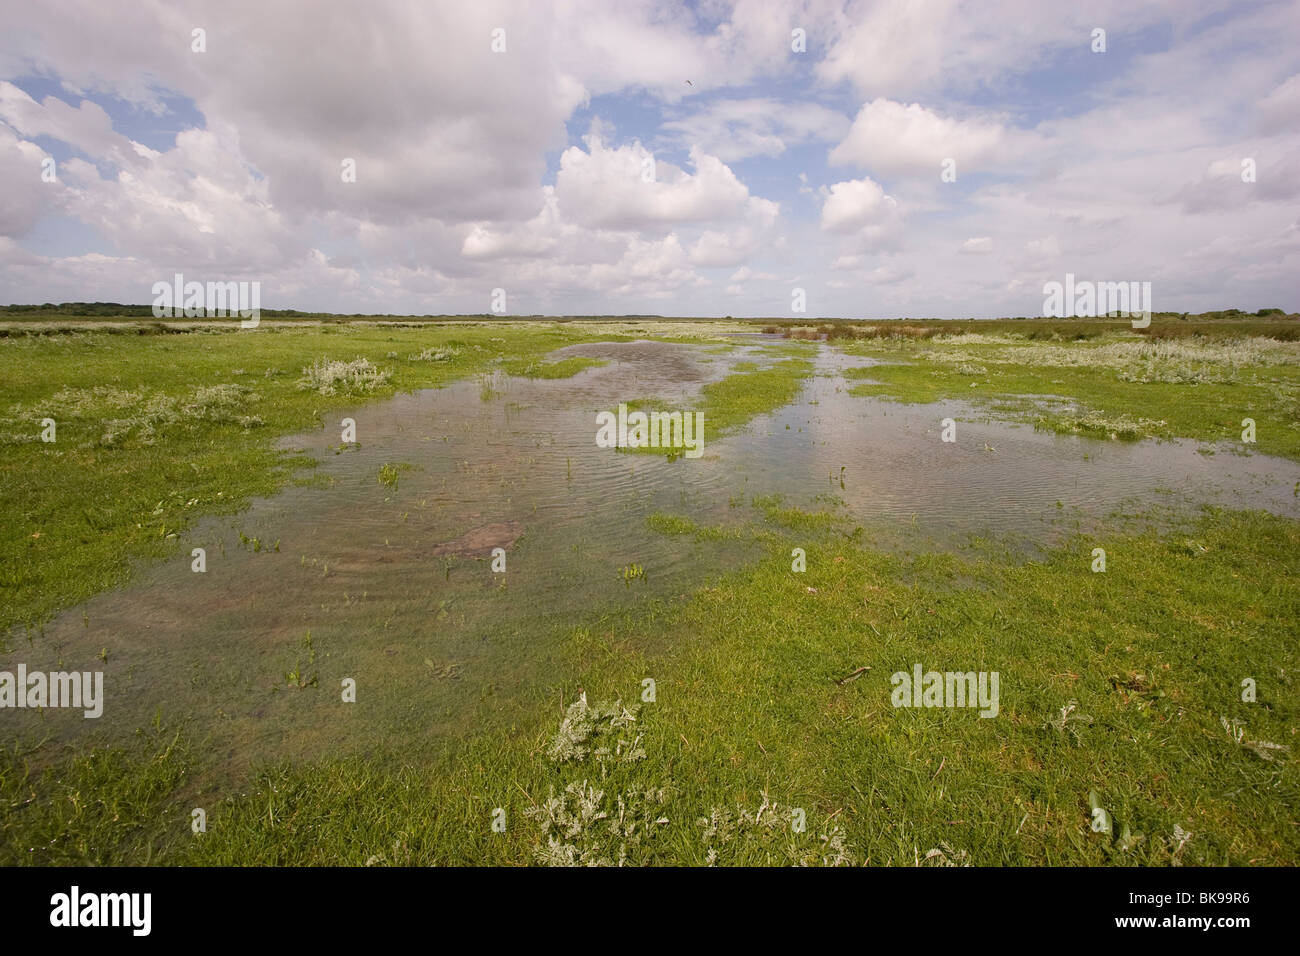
[
  {"x": 113, "y": 308},
  {"x": 1218, "y": 316},
  {"x": 1228, "y": 323},
  {"x": 120, "y": 310}
]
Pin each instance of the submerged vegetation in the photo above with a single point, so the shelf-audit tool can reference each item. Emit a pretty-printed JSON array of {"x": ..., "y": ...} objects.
[
  {"x": 154, "y": 431},
  {"x": 1116, "y": 692}
]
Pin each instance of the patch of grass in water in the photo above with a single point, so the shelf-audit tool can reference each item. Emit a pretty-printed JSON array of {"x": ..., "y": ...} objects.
[
  {"x": 1122, "y": 428},
  {"x": 95, "y": 809},
  {"x": 732, "y": 402},
  {"x": 564, "y": 368},
  {"x": 667, "y": 524},
  {"x": 1121, "y": 385},
  {"x": 791, "y": 518}
]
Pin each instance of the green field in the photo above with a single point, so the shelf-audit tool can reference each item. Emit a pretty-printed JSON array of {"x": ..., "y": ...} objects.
[{"x": 771, "y": 737}]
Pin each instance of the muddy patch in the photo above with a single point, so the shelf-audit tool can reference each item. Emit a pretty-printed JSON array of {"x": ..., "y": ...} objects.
[{"x": 481, "y": 541}]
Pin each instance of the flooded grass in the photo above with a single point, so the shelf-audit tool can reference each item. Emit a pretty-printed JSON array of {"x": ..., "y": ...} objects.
[
  {"x": 154, "y": 431},
  {"x": 732, "y": 402},
  {"x": 1119, "y": 384},
  {"x": 1115, "y": 688},
  {"x": 635, "y": 660}
]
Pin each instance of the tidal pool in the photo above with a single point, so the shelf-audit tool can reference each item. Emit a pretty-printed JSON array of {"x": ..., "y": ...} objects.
[{"x": 391, "y": 584}]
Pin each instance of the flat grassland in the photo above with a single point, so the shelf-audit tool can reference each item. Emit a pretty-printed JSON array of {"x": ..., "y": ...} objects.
[{"x": 766, "y": 743}]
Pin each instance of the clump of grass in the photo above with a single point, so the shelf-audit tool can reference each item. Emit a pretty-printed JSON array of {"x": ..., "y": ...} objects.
[
  {"x": 74, "y": 402},
  {"x": 944, "y": 855},
  {"x": 144, "y": 416},
  {"x": 1122, "y": 428},
  {"x": 491, "y": 385},
  {"x": 673, "y": 525},
  {"x": 215, "y": 404},
  {"x": 564, "y": 368},
  {"x": 332, "y": 376},
  {"x": 256, "y": 545},
  {"x": 434, "y": 354},
  {"x": 792, "y": 518},
  {"x": 1264, "y": 749},
  {"x": 1067, "y": 719},
  {"x": 736, "y": 399},
  {"x": 296, "y": 677}
]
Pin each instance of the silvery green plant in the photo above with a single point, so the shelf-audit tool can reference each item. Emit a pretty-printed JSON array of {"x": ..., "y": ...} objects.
[
  {"x": 1067, "y": 720},
  {"x": 588, "y": 731},
  {"x": 769, "y": 829},
  {"x": 330, "y": 376},
  {"x": 578, "y": 821},
  {"x": 436, "y": 355},
  {"x": 1264, "y": 749},
  {"x": 944, "y": 855}
]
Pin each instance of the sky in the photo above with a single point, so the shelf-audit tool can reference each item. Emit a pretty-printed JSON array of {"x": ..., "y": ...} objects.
[{"x": 905, "y": 158}]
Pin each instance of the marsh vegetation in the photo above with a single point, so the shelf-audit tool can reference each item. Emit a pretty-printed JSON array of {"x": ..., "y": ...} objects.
[{"x": 649, "y": 679}]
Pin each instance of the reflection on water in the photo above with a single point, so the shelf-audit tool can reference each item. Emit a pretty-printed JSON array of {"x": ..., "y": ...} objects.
[
  {"x": 996, "y": 477},
  {"x": 392, "y": 585}
]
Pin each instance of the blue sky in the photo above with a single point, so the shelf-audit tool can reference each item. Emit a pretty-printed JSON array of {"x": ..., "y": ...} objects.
[{"x": 775, "y": 170}]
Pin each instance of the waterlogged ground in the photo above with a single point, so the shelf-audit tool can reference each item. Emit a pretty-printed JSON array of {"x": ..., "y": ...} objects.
[
  {"x": 377, "y": 565},
  {"x": 391, "y": 583},
  {"x": 884, "y": 460}
]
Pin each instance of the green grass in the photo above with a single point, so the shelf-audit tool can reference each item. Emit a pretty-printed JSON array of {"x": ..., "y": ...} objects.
[
  {"x": 1117, "y": 385},
  {"x": 154, "y": 431},
  {"x": 1122, "y": 687},
  {"x": 390, "y": 474},
  {"x": 96, "y": 809},
  {"x": 563, "y": 368},
  {"x": 735, "y": 400},
  {"x": 668, "y": 524}
]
